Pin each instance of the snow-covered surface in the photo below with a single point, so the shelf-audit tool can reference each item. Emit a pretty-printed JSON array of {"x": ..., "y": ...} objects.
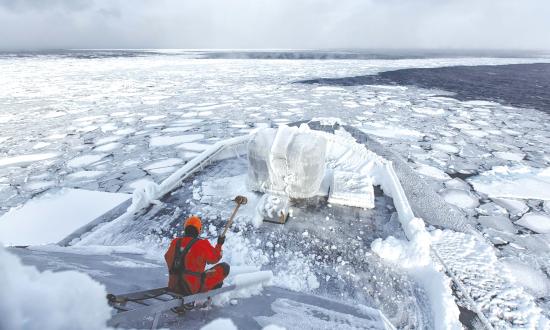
[
  {"x": 531, "y": 279},
  {"x": 460, "y": 198},
  {"x": 26, "y": 159},
  {"x": 351, "y": 189},
  {"x": 220, "y": 324},
  {"x": 537, "y": 222},
  {"x": 53, "y": 216},
  {"x": 497, "y": 222},
  {"x": 488, "y": 282},
  {"x": 523, "y": 182},
  {"x": 294, "y": 315},
  {"x": 30, "y": 299}
]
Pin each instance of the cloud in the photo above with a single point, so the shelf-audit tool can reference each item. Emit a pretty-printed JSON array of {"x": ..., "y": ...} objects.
[
  {"x": 454, "y": 24},
  {"x": 44, "y": 5}
]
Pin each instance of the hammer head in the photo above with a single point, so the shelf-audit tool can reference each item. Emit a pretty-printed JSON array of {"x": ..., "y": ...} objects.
[{"x": 240, "y": 200}]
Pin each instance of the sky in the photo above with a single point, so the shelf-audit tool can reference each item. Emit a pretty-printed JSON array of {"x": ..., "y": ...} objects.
[{"x": 272, "y": 24}]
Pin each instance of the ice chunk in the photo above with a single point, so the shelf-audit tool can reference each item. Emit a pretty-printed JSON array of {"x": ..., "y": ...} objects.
[
  {"x": 220, "y": 324},
  {"x": 394, "y": 132},
  {"x": 501, "y": 223},
  {"x": 258, "y": 158},
  {"x": 193, "y": 146},
  {"x": 271, "y": 207},
  {"x": 457, "y": 183},
  {"x": 514, "y": 182},
  {"x": 85, "y": 160},
  {"x": 429, "y": 111},
  {"x": 537, "y": 222},
  {"x": 514, "y": 156},
  {"x": 351, "y": 189},
  {"x": 83, "y": 175},
  {"x": 533, "y": 280},
  {"x": 163, "y": 141},
  {"x": 26, "y": 159},
  {"x": 108, "y": 147},
  {"x": 448, "y": 148},
  {"x": 515, "y": 207},
  {"x": 491, "y": 209},
  {"x": 106, "y": 140},
  {"x": 153, "y": 118},
  {"x": 460, "y": 198},
  {"x": 288, "y": 161},
  {"x": 432, "y": 172},
  {"x": 169, "y": 162},
  {"x": 52, "y": 217},
  {"x": 41, "y": 145},
  {"x": 59, "y": 298}
]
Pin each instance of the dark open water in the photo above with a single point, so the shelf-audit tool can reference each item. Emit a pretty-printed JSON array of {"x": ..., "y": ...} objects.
[{"x": 521, "y": 85}]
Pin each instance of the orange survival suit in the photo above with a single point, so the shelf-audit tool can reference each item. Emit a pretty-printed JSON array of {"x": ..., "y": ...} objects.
[{"x": 187, "y": 257}]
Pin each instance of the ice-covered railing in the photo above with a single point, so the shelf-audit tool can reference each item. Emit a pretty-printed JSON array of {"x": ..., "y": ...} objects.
[
  {"x": 145, "y": 196},
  {"x": 152, "y": 192}
]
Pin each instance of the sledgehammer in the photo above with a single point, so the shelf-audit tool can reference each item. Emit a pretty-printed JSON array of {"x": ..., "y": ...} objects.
[{"x": 240, "y": 200}]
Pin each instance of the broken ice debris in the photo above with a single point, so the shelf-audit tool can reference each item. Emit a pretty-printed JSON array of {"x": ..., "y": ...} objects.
[{"x": 537, "y": 222}]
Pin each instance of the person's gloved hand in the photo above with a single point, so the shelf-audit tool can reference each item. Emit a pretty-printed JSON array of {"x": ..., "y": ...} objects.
[{"x": 221, "y": 240}]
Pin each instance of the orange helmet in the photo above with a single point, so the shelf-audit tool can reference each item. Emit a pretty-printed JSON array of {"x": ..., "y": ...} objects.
[{"x": 194, "y": 221}]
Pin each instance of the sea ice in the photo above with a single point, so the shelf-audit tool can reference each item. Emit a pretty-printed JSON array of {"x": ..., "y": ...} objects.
[
  {"x": 38, "y": 185},
  {"x": 449, "y": 148},
  {"x": 85, "y": 160},
  {"x": 107, "y": 139},
  {"x": 431, "y": 172},
  {"x": 457, "y": 183},
  {"x": 515, "y": 207},
  {"x": 163, "y": 141},
  {"x": 501, "y": 223},
  {"x": 394, "y": 132},
  {"x": 537, "y": 222},
  {"x": 54, "y": 216},
  {"x": 84, "y": 175},
  {"x": 533, "y": 280},
  {"x": 163, "y": 163},
  {"x": 41, "y": 145},
  {"x": 520, "y": 182},
  {"x": 193, "y": 146},
  {"x": 153, "y": 118},
  {"x": 460, "y": 198},
  {"x": 514, "y": 156},
  {"x": 26, "y": 159},
  {"x": 177, "y": 129},
  {"x": 429, "y": 111},
  {"x": 108, "y": 147}
]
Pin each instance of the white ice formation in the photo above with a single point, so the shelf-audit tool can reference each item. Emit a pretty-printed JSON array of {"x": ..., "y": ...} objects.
[{"x": 30, "y": 299}]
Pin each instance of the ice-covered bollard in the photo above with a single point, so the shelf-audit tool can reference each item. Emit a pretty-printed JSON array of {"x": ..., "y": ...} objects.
[{"x": 288, "y": 161}]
